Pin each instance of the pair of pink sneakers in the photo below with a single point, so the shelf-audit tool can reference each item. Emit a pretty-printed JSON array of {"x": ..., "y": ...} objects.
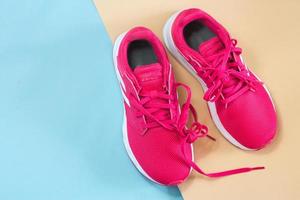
[{"x": 155, "y": 130}]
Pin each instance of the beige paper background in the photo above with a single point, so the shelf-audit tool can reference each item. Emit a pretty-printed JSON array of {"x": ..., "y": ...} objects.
[{"x": 269, "y": 33}]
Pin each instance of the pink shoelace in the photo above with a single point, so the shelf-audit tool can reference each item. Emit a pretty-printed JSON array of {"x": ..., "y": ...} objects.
[
  {"x": 228, "y": 76},
  {"x": 155, "y": 106}
]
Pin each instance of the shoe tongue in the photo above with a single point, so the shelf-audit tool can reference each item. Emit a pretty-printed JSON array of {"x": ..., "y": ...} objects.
[
  {"x": 210, "y": 47},
  {"x": 150, "y": 77}
]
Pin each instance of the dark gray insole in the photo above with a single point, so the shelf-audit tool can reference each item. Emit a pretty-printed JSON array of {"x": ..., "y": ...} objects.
[
  {"x": 196, "y": 33},
  {"x": 140, "y": 52}
]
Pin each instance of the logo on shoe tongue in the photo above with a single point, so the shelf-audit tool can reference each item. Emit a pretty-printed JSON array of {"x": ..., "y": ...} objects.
[{"x": 149, "y": 75}]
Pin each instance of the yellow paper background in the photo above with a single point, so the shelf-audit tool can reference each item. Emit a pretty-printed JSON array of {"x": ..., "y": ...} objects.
[{"x": 268, "y": 32}]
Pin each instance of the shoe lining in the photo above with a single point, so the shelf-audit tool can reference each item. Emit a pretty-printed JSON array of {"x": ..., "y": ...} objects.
[
  {"x": 139, "y": 53},
  {"x": 195, "y": 33}
]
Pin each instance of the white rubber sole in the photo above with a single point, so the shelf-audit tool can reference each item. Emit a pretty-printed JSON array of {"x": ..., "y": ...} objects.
[{"x": 167, "y": 34}]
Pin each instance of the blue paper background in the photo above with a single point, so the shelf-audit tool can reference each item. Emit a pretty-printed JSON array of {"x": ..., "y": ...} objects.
[{"x": 60, "y": 108}]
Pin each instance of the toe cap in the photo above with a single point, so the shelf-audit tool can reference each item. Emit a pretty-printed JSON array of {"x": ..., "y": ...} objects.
[{"x": 251, "y": 119}]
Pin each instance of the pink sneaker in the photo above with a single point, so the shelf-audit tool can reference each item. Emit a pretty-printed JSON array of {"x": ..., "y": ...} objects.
[
  {"x": 154, "y": 130},
  {"x": 239, "y": 103}
]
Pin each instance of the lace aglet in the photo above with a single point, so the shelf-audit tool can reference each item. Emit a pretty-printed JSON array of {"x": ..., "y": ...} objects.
[
  {"x": 212, "y": 138},
  {"x": 258, "y": 168}
]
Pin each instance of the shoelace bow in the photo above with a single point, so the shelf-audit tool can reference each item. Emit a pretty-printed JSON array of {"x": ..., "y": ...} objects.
[
  {"x": 149, "y": 106},
  {"x": 228, "y": 76}
]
